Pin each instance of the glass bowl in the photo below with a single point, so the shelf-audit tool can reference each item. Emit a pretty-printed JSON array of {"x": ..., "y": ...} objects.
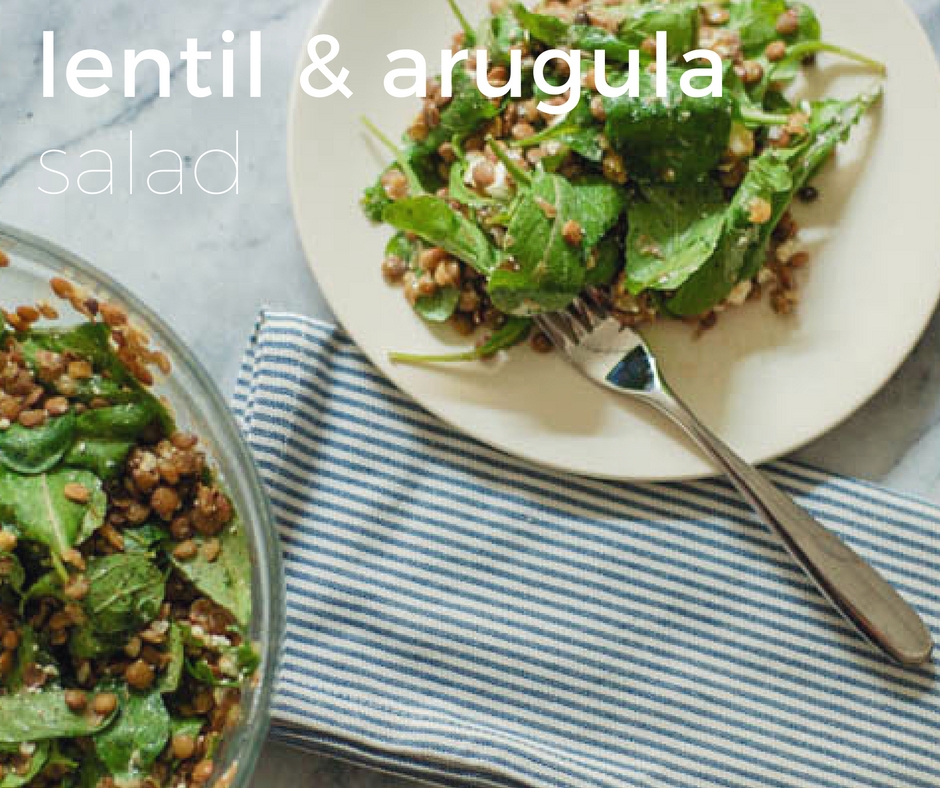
[{"x": 199, "y": 407}]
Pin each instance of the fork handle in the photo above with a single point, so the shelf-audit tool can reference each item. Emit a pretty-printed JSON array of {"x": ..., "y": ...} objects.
[{"x": 853, "y": 586}]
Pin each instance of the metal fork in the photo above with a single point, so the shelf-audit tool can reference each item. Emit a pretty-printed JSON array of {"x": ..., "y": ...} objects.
[{"x": 618, "y": 358}]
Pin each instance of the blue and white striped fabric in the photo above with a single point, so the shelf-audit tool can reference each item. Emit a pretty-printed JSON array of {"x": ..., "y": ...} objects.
[{"x": 464, "y": 617}]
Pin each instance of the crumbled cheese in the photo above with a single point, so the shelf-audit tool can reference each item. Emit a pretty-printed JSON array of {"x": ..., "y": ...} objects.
[
  {"x": 500, "y": 188},
  {"x": 765, "y": 276},
  {"x": 228, "y": 666},
  {"x": 218, "y": 641},
  {"x": 787, "y": 249},
  {"x": 739, "y": 294},
  {"x": 741, "y": 143}
]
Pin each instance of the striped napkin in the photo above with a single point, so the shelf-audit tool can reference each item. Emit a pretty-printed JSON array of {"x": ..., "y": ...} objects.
[{"x": 461, "y": 616}]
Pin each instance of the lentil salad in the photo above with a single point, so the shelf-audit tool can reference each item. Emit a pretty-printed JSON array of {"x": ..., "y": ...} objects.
[
  {"x": 666, "y": 208},
  {"x": 124, "y": 571}
]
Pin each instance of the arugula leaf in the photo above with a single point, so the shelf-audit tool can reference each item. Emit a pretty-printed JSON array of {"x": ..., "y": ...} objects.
[
  {"x": 39, "y": 716},
  {"x": 769, "y": 177},
  {"x": 675, "y": 138},
  {"x": 374, "y": 201},
  {"x": 145, "y": 539},
  {"x": 92, "y": 772},
  {"x": 788, "y": 69},
  {"x": 12, "y": 574},
  {"x": 678, "y": 19},
  {"x": 42, "y": 513},
  {"x": 85, "y": 643},
  {"x": 170, "y": 680},
  {"x": 29, "y": 652},
  {"x": 23, "y": 776},
  {"x": 118, "y": 422},
  {"x": 112, "y": 380},
  {"x": 464, "y": 114},
  {"x": 579, "y": 131},
  {"x": 547, "y": 272},
  {"x": 513, "y": 331},
  {"x": 604, "y": 262},
  {"x": 88, "y": 341},
  {"x": 433, "y": 219},
  {"x": 191, "y": 726},
  {"x": 48, "y": 586},
  {"x": 598, "y": 206},
  {"x": 440, "y": 307},
  {"x": 227, "y": 579},
  {"x": 37, "y": 761},
  {"x": 236, "y": 663},
  {"x": 458, "y": 190},
  {"x": 755, "y": 21},
  {"x": 673, "y": 232},
  {"x": 104, "y": 458},
  {"x": 498, "y": 34},
  {"x": 557, "y": 33},
  {"x": 125, "y": 592},
  {"x": 36, "y": 449},
  {"x": 437, "y": 308},
  {"x": 139, "y": 735},
  {"x": 775, "y": 176}
]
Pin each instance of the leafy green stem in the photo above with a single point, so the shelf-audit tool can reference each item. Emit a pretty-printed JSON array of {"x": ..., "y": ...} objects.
[
  {"x": 755, "y": 116},
  {"x": 413, "y": 181},
  {"x": 468, "y": 31},
  {"x": 806, "y": 48},
  {"x": 518, "y": 174},
  {"x": 59, "y": 567},
  {"x": 514, "y": 331},
  {"x": 452, "y": 358}
]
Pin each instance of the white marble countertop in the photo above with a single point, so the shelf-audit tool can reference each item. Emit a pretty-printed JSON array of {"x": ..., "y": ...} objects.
[{"x": 209, "y": 263}]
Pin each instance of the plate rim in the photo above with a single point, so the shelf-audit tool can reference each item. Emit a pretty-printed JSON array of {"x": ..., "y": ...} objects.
[{"x": 909, "y": 345}]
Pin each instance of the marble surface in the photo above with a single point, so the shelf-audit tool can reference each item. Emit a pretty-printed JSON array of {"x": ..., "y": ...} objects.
[{"x": 209, "y": 263}]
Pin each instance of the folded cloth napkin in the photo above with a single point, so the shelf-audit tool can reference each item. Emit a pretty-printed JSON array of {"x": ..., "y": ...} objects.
[{"x": 464, "y": 617}]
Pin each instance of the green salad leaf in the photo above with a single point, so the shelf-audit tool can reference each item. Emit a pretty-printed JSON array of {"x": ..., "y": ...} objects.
[
  {"x": 35, "y": 764},
  {"x": 32, "y": 450},
  {"x": 676, "y": 138},
  {"x": 125, "y": 592},
  {"x": 226, "y": 580},
  {"x": 605, "y": 262},
  {"x": 547, "y": 272},
  {"x": 125, "y": 422},
  {"x": 111, "y": 380},
  {"x": 12, "y": 574},
  {"x": 678, "y": 19},
  {"x": 146, "y": 538},
  {"x": 674, "y": 230},
  {"x": 436, "y": 222},
  {"x": 775, "y": 177},
  {"x": 103, "y": 457},
  {"x": 133, "y": 743},
  {"x": 598, "y": 206},
  {"x": 42, "y": 512},
  {"x": 39, "y": 716},
  {"x": 173, "y": 674}
]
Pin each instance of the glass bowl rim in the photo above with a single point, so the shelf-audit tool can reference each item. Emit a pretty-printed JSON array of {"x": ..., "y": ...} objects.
[{"x": 268, "y": 572}]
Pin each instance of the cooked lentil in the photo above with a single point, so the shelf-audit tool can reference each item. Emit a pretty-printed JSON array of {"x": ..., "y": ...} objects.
[{"x": 63, "y": 629}]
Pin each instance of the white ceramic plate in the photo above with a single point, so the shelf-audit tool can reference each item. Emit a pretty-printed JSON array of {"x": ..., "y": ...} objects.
[{"x": 767, "y": 385}]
